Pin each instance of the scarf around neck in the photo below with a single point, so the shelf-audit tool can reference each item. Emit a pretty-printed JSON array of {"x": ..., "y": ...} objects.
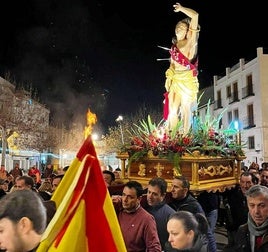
[{"x": 257, "y": 230}]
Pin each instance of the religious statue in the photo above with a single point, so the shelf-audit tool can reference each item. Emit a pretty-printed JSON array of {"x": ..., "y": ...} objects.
[{"x": 181, "y": 78}]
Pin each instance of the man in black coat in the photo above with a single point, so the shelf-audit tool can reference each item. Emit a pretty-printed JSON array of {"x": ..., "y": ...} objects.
[
  {"x": 253, "y": 236},
  {"x": 183, "y": 200},
  {"x": 236, "y": 206}
]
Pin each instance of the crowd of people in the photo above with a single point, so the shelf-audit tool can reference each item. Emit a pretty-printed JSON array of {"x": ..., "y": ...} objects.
[
  {"x": 42, "y": 182},
  {"x": 151, "y": 217},
  {"x": 184, "y": 222},
  {"x": 26, "y": 207}
]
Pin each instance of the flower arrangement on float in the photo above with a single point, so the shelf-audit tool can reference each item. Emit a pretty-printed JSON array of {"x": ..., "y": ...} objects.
[{"x": 148, "y": 139}]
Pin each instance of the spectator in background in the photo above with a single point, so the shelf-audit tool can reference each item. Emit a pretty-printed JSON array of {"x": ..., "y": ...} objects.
[
  {"x": 22, "y": 221},
  {"x": 48, "y": 171},
  {"x": 157, "y": 207},
  {"x": 25, "y": 183},
  {"x": 45, "y": 190},
  {"x": 56, "y": 181},
  {"x": 117, "y": 174},
  {"x": 36, "y": 175},
  {"x": 114, "y": 183},
  {"x": 264, "y": 177},
  {"x": 4, "y": 185},
  {"x": 36, "y": 184},
  {"x": 16, "y": 171},
  {"x": 258, "y": 176},
  {"x": 108, "y": 177},
  {"x": 253, "y": 168},
  {"x": 3, "y": 172},
  {"x": 11, "y": 181},
  {"x": 264, "y": 165}
]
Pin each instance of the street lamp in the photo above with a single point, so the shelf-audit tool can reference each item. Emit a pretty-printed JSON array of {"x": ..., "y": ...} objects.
[
  {"x": 95, "y": 136},
  {"x": 119, "y": 119}
]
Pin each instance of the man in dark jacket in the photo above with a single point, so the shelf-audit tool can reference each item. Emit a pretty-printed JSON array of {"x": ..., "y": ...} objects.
[
  {"x": 253, "y": 236},
  {"x": 156, "y": 206},
  {"x": 210, "y": 204},
  {"x": 183, "y": 200},
  {"x": 236, "y": 206}
]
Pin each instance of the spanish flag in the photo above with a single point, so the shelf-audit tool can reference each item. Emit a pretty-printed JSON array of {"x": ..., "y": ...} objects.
[{"x": 85, "y": 219}]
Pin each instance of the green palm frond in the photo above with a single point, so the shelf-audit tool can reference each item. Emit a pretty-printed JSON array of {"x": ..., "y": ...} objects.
[{"x": 205, "y": 136}]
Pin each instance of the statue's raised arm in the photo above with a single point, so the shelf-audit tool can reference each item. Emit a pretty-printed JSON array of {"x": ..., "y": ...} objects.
[
  {"x": 192, "y": 33},
  {"x": 182, "y": 83}
]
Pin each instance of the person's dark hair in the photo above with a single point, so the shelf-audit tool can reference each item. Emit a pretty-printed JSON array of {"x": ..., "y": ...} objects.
[
  {"x": 24, "y": 203},
  {"x": 2, "y": 193},
  {"x": 184, "y": 180},
  {"x": 65, "y": 168},
  {"x": 264, "y": 166},
  {"x": 161, "y": 183},
  {"x": 58, "y": 176},
  {"x": 203, "y": 225},
  {"x": 196, "y": 222},
  {"x": 45, "y": 195},
  {"x": 254, "y": 166},
  {"x": 110, "y": 173},
  {"x": 254, "y": 179},
  {"x": 257, "y": 190},
  {"x": 3, "y": 181},
  {"x": 136, "y": 185},
  {"x": 188, "y": 220},
  {"x": 244, "y": 168},
  {"x": 27, "y": 180},
  {"x": 52, "y": 176}
]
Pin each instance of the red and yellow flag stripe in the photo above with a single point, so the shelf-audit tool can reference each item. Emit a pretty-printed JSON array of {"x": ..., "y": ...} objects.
[{"x": 85, "y": 219}]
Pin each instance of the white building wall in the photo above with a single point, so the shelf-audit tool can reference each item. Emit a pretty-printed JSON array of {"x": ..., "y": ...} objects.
[
  {"x": 258, "y": 68},
  {"x": 30, "y": 112}
]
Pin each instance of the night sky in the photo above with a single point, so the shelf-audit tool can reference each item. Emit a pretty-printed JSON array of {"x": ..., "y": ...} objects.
[{"x": 103, "y": 54}]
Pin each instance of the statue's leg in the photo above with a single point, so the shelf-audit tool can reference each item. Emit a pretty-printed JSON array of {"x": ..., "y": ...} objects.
[
  {"x": 186, "y": 113},
  {"x": 174, "y": 103}
]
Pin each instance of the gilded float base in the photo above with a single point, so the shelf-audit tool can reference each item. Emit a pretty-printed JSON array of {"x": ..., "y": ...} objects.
[{"x": 204, "y": 173}]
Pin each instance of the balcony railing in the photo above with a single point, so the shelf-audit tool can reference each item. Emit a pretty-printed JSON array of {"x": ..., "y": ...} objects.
[
  {"x": 233, "y": 98},
  {"x": 217, "y": 104},
  {"x": 247, "y": 91}
]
